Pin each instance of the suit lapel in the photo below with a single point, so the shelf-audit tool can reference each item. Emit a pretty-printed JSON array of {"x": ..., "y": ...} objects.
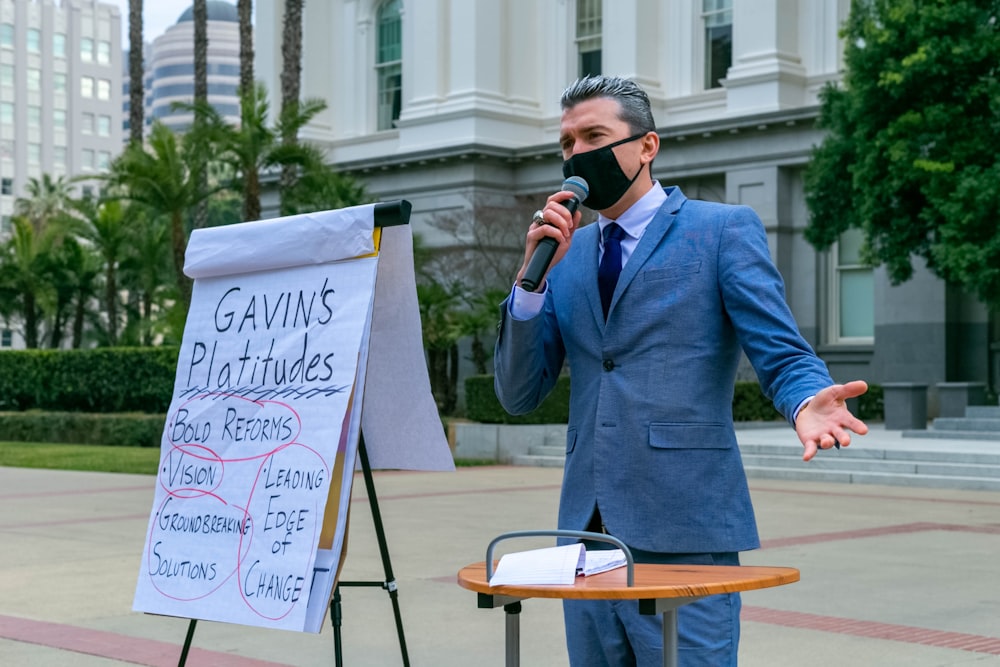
[{"x": 649, "y": 242}]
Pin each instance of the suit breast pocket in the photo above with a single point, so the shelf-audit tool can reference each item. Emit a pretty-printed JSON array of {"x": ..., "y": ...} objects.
[{"x": 671, "y": 271}]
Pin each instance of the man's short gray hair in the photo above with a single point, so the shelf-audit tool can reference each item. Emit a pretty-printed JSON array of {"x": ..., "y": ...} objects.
[{"x": 632, "y": 99}]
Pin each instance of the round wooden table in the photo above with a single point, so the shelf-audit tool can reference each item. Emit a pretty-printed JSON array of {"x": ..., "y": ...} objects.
[{"x": 660, "y": 589}]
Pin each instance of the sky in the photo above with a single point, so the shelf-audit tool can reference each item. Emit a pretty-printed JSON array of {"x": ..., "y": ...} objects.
[{"x": 157, "y": 16}]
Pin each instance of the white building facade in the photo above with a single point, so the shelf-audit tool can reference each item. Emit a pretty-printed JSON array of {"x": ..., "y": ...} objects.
[
  {"x": 443, "y": 101},
  {"x": 60, "y": 91}
]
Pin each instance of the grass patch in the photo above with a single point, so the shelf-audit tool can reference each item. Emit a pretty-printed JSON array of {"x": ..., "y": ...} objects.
[{"x": 97, "y": 458}]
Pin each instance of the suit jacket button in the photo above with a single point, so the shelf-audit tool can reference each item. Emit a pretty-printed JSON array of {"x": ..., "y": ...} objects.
[{"x": 609, "y": 364}]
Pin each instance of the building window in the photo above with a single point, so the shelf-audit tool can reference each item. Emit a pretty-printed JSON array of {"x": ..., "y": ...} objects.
[
  {"x": 103, "y": 160},
  {"x": 87, "y": 86},
  {"x": 59, "y": 45},
  {"x": 104, "y": 52},
  {"x": 87, "y": 123},
  {"x": 6, "y": 186},
  {"x": 34, "y": 40},
  {"x": 59, "y": 83},
  {"x": 104, "y": 126},
  {"x": 7, "y": 76},
  {"x": 87, "y": 155},
  {"x": 86, "y": 49},
  {"x": 5, "y": 226},
  {"x": 7, "y": 35},
  {"x": 852, "y": 311},
  {"x": 59, "y": 156},
  {"x": 6, "y": 336},
  {"x": 34, "y": 79},
  {"x": 104, "y": 89},
  {"x": 34, "y": 154},
  {"x": 34, "y": 116},
  {"x": 59, "y": 119},
  {"x": 718, "y": 17},
  {"x": 6, "y": 113},
  {"x": 588, "y": 36},
  {"x": 389, "y": 63}
]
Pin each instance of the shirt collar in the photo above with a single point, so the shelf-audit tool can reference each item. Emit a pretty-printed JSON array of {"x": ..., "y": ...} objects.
[{"x": 638, "y": 216}]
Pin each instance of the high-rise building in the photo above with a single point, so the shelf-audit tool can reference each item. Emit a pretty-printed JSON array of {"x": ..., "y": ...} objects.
[
  {"x": 170, "y": 67},
  {"x": 60, "y": 92}
]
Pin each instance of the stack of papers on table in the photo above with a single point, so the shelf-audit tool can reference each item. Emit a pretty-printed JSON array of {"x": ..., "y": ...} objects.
[{"x": 554, "y": 565}]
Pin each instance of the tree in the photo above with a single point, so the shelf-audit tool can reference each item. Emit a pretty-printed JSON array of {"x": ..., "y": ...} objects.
[
  {"x": 45, "y": 201},
  {"x": 165, "y": 176},
  {"x": 244, "y": 8},
  {"x": 913, "y": 135},
  {"x": 200, "y": 92},
  {"x": 291, "y": 78},
  {"x": 104, "y": 227},
  {"x": 254, "y": 146},
  {"x": 136, "y": 91},
  {"x": 25, "y": 275}
]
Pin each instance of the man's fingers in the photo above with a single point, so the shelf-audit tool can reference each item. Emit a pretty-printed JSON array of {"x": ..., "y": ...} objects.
[{"x": 810, "y": 450}]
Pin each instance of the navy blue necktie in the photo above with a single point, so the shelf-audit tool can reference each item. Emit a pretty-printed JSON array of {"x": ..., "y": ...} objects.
[{"x": 611, "y": 265}]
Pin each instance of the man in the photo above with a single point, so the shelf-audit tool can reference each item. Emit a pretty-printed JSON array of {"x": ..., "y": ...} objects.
[{"x": 651, "y": 453}]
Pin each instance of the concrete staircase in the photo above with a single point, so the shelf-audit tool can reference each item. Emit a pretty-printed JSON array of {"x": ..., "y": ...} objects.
[
  {"x": 981, "y": 422},
  {"x": 861, "y": 464}
]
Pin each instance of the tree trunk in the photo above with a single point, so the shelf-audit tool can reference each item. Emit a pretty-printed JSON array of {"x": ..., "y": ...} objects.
[
  {"x": 136, "y": 92},
  {"x": 251, "y": 196},
  {"x": 30, "y": 322},
  {"x": 111, "y": 302},
  {"x": 178, "y": 244},
  {"x": 245, "y": 10},
  {"x": 201, "y": 94},
  {"x": 291, "y": 77}
]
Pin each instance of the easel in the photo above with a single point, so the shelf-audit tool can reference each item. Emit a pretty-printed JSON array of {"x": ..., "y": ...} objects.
[
  {"x": 336, "y": 614},
  {"x": 390, "y": 582},
  {"x": 386, "y": 214}
]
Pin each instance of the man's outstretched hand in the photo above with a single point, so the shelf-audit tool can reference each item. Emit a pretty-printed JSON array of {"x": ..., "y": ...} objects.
[{"x": 826, "y": 421}]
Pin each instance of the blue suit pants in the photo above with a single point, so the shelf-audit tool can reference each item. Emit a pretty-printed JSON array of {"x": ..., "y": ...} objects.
[{"x": 612, "y": 633}]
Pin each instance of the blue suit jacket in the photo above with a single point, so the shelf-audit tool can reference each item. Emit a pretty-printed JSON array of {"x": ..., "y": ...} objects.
[{"x": 650, "y": 437}]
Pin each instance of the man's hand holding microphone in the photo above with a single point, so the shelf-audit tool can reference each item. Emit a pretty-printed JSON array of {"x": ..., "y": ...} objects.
[{"x": 550, "y": 232}]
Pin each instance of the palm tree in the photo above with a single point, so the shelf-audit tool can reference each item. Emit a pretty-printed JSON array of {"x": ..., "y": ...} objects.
[
  {"x": 45, "y": 200},
  {"x": 245, "y": 10},
  {"x": 254, "y": 146},
  {"x": 24, "y": 275},
  {"x": 76, "y": 280},
  {"x": 105, "y": 228},
  {"x": 135, "y": 72},
  {"x": 291, "y": 77},
  {"x": 165, "y": 177},
  {"x": 146, "y": 272},
  {"x": 200, "y": 90}
]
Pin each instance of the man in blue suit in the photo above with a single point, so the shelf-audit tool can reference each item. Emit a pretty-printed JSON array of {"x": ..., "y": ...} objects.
[{"x": 651, "y": 453}]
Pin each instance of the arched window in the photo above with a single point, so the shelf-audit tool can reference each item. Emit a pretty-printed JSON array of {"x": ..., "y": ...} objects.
[{"x": 389, "y": 63}]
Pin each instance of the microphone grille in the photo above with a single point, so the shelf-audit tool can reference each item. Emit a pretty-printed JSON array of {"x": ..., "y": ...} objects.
[{"x": 577, "y": 186}]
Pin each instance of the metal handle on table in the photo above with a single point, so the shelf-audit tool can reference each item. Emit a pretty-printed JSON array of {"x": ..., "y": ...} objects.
[{"x": 582, "y": 534}]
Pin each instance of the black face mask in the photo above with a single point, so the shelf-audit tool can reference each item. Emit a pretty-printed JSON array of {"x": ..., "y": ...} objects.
[{"x": 600, "y": 168}]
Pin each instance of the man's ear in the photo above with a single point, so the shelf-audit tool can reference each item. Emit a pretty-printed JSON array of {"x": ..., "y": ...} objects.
[{"x": 650, "y": 146}]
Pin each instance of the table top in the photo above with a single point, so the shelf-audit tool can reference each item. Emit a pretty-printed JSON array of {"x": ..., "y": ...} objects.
[{"x": 651, "y": 582}]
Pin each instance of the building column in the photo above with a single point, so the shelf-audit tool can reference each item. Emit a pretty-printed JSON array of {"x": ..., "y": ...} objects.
[{"x": 767, "y": 72}]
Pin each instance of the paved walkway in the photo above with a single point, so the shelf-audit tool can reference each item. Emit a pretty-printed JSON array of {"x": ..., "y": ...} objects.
[{"x": 890, "y": 576}]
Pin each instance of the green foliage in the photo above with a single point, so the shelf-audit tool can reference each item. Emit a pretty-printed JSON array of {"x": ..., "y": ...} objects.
[
  {"x": 102, "y": 380},
  {"x": 481, "y": 404},
  {"x": 913, "y": 138},
  {"x": 749, "y": 404},
  {"x": 123, "y": 430}
]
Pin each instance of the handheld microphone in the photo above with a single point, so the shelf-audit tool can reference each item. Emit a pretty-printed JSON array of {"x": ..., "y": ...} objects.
[{"x": 546, "y": 248}]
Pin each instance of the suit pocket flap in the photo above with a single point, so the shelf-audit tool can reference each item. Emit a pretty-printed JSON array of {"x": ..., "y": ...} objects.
[
  {"x": 697, "y": 435},
  {"x": 672, "y": 271}
]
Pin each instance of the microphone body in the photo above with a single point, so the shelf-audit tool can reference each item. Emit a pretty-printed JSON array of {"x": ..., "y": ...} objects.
[{"x": 546, "y": 248}]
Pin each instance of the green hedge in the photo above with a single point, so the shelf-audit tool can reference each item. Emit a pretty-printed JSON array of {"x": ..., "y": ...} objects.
[
  {"x": 749, "y": 404},
  {"x": 102, "y": 380},
  {"x": 131, "y": 430}
]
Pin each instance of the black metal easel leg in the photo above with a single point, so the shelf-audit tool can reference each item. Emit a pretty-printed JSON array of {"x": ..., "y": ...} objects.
[
  {"x": 187, "y": 643},
  {"x": 390, "y": 580}
]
